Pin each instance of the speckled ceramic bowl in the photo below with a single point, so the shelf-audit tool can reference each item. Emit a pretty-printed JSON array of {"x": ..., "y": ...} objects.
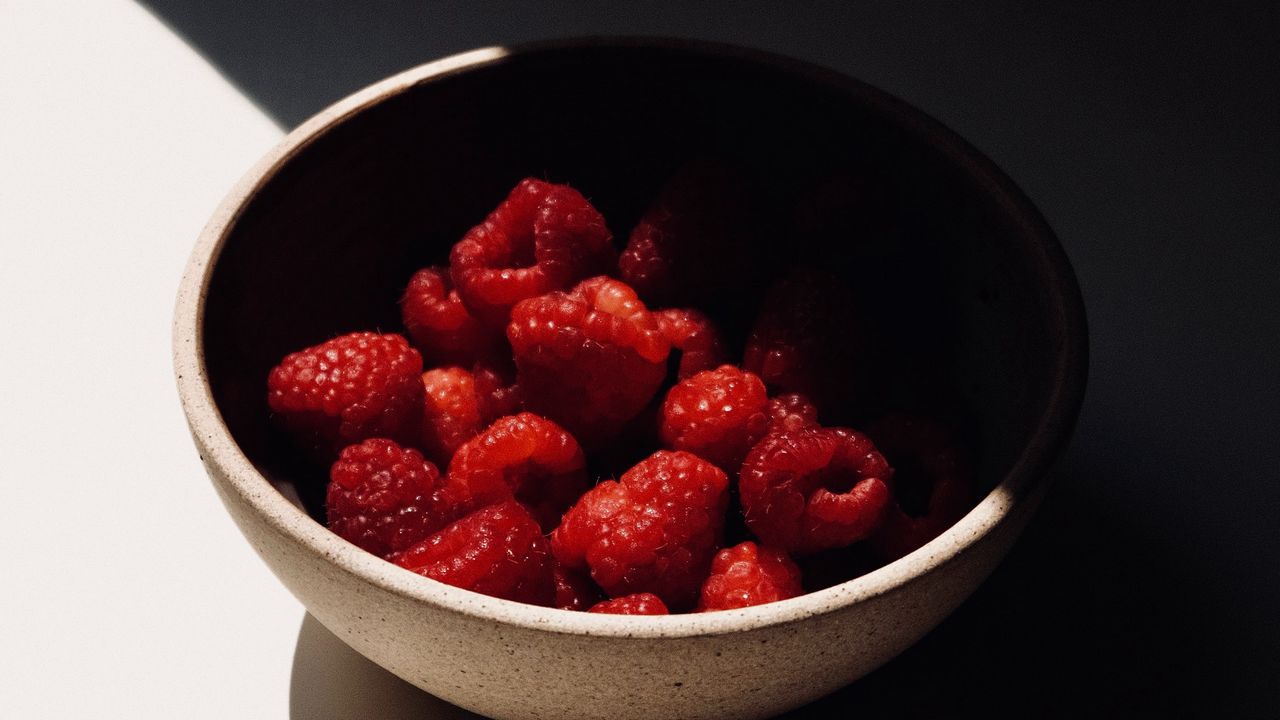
[{"x": 320, "y": 237}]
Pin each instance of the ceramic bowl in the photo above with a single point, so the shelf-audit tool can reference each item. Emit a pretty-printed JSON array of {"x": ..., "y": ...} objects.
[{"x": 321, "y": 235}]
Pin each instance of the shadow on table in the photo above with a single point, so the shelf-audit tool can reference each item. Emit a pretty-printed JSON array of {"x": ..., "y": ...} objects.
[{"x": 1089, "y": 616}]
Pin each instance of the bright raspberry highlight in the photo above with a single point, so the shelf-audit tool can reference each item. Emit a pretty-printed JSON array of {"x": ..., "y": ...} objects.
[
  {"x": 809, "y": 490},
  {"x": 348, "y": 389},
  {"x": 497, "y": 551},
  {"x": 746, "y": 575},
  {"x": 654, "y": 530}
]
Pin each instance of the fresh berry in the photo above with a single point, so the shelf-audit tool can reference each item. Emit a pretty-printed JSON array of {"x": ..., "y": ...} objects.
[
  {"x": 574, "y": 589},
  {"x": 746, "y": 575},
  {"x": 451, "y": 414},
  {"x": 696, "y": 242},
  {"x": 527, "y": 456},
  {"x": 590, "y": 359},
  {"x": 635, "y": 604},
  {"x": 717, "y": 414},
  {"x": 441, "y": 327},
  {"x": 694, "y": 337},
  {"x": 808, "y": 339},
  {"x": 932, "y": 482},
  {"x": 347, "y": 389},
  {"x": 497, "y": 551},
  {"x": 385, "y": 498},
  {"x": 809, "y": 490},
  {"x": 654, "y": 530},
  {"x": 543, "y": 237},
  {"x": 791, "y": 411}
]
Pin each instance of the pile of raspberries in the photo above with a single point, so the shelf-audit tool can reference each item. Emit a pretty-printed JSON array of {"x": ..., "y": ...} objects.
[{"x": 466, "y": 451}]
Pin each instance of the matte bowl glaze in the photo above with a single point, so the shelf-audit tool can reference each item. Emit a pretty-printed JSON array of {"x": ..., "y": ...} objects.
[{"x": 321, "y": 236}]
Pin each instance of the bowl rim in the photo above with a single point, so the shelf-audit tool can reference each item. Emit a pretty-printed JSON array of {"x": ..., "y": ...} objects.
[{"x": 237, "y": 475}]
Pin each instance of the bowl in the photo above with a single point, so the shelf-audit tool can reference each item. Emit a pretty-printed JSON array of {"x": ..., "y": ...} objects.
[{"x": 321, "y": 235}]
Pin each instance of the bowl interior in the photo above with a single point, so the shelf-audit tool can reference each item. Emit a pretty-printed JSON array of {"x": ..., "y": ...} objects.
[{"x": 964, "y": 302}]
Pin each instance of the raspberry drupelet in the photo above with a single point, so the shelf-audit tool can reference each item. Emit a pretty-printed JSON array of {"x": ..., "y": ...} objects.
[
  {"x": 636, "y": 604},
  {"x": 808, "y": 490},
  {"x": 439, "y": 324},
  {"x": 747, "y": 574},
  {"x": 590, "y": 359},
  {"x": 654, "y": 530},
  {"x": 527, "y": 456},
  {"x": 498, "y": 551},
  {"x": 717, "y": 414},
  {"x": 347, "y": 389},
  {"x": 543, "y": 237},
  {"x": 385, "y": 498},
  {"x": 694, "y": 337},
  {"x": 791, "y": 411},
  {"x": 933, "y": 482}
]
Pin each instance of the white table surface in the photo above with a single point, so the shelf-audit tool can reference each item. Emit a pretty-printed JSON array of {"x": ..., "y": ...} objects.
[{"x": 127, "y": 591}]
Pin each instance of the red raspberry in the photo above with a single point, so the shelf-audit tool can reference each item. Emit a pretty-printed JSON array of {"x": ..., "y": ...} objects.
[
  {"x": 385, "y": 498},
  {"x": 441, "y": 328},
  {"x": 809, "y": 490},
  {"x": 695, "y": 337},
  {"x": 696, "y": 242},
  {"x": 543, "y": 237},
  {"x": 635, "y": 604},
  {"x": 807, "y": 339},
  {"x": 527, "y": 456},
  {"x": 452, "y": 413},
  {"x": 746, "y": 575},
  {"x": 654, "y": 530},
  {"x": 574, "y": 589},
  {"x": 590, "y": 359},
  {"x": 792, "y": 411},
  {"x": 933, "y": 483},
  {"x": 497, "y": 551},
  {"x": 350, "y": 388},
  {"x": 717, "y": 414}
]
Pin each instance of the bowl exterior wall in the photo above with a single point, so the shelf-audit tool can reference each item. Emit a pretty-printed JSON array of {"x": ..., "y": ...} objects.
[{"x": 506, "y": 671}]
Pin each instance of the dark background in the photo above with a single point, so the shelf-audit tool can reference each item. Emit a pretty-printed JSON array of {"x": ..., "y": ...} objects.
[{"x": 1149, "y": 584}]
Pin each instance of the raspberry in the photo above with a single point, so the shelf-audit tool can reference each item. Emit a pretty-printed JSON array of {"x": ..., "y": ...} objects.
[
  {"x": 385, "y": 498},
  {"x": 636, "y": 604},
  {"x": 933, "y": 483},
  {"x": 590, "y": 359},
  {"x": 543, "y": 237},
  {"x": 654, "y": 530},
  {"x": 695, "y": 337},
  {"x": 440, "y": 326},
  {"x": 527, "y": 456},
  {"x": 746, "y": 575},
  {"x": 807, "y": 340},
  {"x": 347, "y": 389},
  {"x": 717, "y": 414},
  {"x": 497, "y": 551},
  {"x": 696, "y": 242},
  {"x": 452, "y": 413},
  {"x": 792, "y": 411},
  {"x": 574, "y": 589},
  {"x": 809, "y": 490}
]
